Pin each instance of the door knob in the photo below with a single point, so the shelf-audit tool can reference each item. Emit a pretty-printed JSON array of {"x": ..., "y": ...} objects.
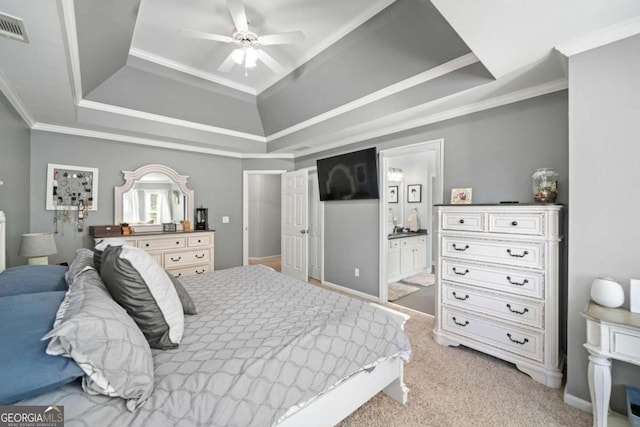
[{"x": 303, "y": 231}]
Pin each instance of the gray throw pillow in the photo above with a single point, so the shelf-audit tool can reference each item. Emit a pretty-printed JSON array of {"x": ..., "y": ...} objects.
[
  {"x": 83, "y": 259},
  {"x": 188, "y": 307},
  {"x": 140, "y": 285},
  {"x": 99, "y": 248},
  {"x": 93, "y": 330}
]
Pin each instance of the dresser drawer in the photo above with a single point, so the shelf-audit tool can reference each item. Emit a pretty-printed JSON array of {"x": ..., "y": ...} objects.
[
  {"x": 394, "y": 243},
  {"x": 189, "y": 271},
  {"x": 513, "y": 223},
  {"x": 164, "y": 243},
  {"x": 157, "y": 256},
  {"x": 511, "y": 338},
  {"x": 179, "y": 259},
  {"x": 462, "y": 221},
  {"x": 501, "y": 306},
  {"x": 523, "y": 254},
  {"x": 525, "y": 283},
  {"x": 200, "y": 240}
]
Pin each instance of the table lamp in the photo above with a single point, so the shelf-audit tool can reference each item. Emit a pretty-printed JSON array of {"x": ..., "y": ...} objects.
[{"x": 37, "y": 247}]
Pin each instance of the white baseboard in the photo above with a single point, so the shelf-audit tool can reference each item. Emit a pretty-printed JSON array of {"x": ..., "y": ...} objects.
[
  {"x": 351, "y": 291},
  {"x": 262, "y": 258},
  {"x": 577, "y": 402}
]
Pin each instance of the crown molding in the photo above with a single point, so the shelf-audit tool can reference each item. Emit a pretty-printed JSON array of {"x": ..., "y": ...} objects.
[
  {"x": 12, "y": 95},
  {"x": 601, "y": 37},
  {"x": 73, "y": 52},
  {"x": 433, "y": 73},
  {"x": 93, "y": 105},
  {"x": 404, "y": 123},
  {"x": 68, "y": 130},
  {"x": 332, "y": 38},
  {"x": 174, "y": 65}
]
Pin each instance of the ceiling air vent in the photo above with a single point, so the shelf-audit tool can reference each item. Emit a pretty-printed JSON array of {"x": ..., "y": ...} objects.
[{"x": 13, "y": 28}]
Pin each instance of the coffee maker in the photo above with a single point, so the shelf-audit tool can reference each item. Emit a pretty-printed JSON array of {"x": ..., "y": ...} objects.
[{"x": 202, "y": 218}]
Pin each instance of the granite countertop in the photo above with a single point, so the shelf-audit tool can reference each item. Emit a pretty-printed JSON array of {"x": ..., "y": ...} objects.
[{"x": 402, "y": 234}]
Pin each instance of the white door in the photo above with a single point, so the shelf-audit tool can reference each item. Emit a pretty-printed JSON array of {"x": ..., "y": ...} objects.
[
  {"x": 295, "y": 224},
  {"x": 315, "y": 228}
]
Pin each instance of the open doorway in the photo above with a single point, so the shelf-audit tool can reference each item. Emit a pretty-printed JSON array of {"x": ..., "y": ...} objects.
[
  {"x": 261, "y": 218},
  {"x": 411, "y": 183}
]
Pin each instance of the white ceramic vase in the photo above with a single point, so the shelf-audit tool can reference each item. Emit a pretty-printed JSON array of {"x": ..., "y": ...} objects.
[{"x": 607, "y": 292}]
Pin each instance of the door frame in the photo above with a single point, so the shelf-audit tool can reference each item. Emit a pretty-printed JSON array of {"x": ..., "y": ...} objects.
[
  {"x": 436, "y": 146},
  {"x": 245, "y": 208},
  {"x": 313, "y": 171}
]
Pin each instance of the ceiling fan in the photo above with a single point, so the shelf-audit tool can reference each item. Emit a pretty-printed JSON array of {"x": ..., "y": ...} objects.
[{"x": 248, "y": 43}]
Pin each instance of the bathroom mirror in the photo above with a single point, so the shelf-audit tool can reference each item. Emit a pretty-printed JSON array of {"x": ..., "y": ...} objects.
[
  {"x": 395, "y": 204},
  {"x": 153, "y": 195}
]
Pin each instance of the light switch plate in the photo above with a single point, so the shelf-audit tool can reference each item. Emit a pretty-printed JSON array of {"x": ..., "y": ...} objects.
[{"x": 225, "y": 220}]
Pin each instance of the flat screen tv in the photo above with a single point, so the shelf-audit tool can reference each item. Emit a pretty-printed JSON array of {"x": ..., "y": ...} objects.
[{"x": 349, "y": 176}]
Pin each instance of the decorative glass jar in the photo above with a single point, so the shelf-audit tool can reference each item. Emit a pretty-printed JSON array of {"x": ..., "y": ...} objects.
[{"x": 545, "y": 185}]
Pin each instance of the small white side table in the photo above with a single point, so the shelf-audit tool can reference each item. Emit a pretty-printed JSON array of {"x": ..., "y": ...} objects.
[{"x": 612, "y": 333}]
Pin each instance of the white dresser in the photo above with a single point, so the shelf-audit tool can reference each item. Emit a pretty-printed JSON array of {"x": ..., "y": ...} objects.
[
  {"x": 182, "y": 254},
  {"x": 498, "y": 284}
]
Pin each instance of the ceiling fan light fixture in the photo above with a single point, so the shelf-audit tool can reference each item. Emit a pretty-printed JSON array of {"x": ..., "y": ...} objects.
[
  {"x": 251, "y": 57},
  {"x": 238, "y": 56}
]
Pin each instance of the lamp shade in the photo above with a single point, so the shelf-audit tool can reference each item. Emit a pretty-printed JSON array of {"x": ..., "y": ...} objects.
[{"x": 37, "y": 245}]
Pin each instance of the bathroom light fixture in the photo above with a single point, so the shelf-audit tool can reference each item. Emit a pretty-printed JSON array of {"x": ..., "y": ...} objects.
[
  {"x": 394, "y": 174},
  {"x": 37, "y": 247}
]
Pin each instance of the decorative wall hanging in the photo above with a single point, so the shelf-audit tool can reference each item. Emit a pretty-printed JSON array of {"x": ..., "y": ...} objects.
[
  {"x": 71, "y": 186},
  {"x": 393, "y": 194},
  {"x": 414, "y": 193}
]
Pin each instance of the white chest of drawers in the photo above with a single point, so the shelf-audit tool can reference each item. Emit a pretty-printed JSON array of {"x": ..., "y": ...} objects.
[
  {"x": 182, "y": 254},
  {"x": 498, "y": 284}
]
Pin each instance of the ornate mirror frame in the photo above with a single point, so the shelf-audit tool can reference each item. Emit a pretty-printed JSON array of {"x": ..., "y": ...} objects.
[{"x": 131, "y": 177}]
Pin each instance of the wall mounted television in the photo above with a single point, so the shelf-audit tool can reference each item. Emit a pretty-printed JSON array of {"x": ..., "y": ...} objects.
[{"x": 349, "y": 176}]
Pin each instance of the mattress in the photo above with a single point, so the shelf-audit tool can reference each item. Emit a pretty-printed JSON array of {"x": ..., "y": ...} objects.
[{"x": 261, "y": 343}]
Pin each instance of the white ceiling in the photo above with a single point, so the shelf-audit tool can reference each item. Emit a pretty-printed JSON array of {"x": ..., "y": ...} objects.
[
  {"x": 157, "y": 38},
  {"x": 513, "y": 39}
]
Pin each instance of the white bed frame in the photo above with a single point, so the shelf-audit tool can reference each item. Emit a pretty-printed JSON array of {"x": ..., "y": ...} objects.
[
  {"x": 336, "y": 404},
  {"x": 3, "y": 249}
]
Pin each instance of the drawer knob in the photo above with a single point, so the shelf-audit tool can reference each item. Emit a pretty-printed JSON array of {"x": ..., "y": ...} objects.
[
  {"x": 464, "y": 298},
  {"x": 523, "y": 342},
  {"x": 176, "y": 260},
  {"x": 464, "y": 273},
  {"x": 199, "y": 241},
  {"x": 462, "y": 249},
  {"x": 178, "y": 242},
  {"x": 514, "y": 223},
  {"x": 199, "y": 256},
  {"x": 524, "y": 310},
  {"x": 177, "y": 275},
  {"x": 524, "y": 282},
  {"x": 147, "y": 245},
  {"x": 522, "y": 255},
  {"x": 466, "y": 322},
  {"x": 461, "y": 221},
  {"x": 200, "y": 271}
]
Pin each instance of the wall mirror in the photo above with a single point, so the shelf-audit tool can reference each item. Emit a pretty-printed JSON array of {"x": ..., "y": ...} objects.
[
  {"x": 152, "y": 195},
  {"x": 395, "y": 198}
]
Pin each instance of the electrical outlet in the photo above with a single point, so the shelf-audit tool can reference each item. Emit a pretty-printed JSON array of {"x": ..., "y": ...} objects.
[
  {"x": 225, "y": 220},
  {"x": 357, "y": 272}
]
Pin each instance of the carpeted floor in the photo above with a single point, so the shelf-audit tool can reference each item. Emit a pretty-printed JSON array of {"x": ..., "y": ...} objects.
[
  {"x": 397, "y": 290},
  {"x": 456, "y": 386}
]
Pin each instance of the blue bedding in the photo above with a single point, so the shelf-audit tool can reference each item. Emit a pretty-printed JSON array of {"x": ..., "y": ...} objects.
[{"x": 28, "y": 279}]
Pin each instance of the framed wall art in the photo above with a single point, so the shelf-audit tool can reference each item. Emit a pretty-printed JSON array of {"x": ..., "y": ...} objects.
[
  {"x": 414, "y": 193},
  {"x": 461, "y": 196},
  {"x": 393, "y": 194},
  {"x": 68, "y": 186}
]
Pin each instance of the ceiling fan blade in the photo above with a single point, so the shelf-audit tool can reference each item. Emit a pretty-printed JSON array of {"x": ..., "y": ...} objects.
[
  {"x": 238, "y": 14},
  {"x": 206, "y": 36},
  {"x": 281, "y": 38},
  {"x": 270, "y": 62},
  {"x": 227, "y": 64}
]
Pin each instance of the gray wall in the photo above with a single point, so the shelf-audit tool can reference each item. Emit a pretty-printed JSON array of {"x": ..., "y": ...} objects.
[
  {"x": 217, "y": 182},
  {"x": 604, "y": 108},
  {"x": 14, "y": 171},
  {"x": 495, "y": 152},
  {"x": 264, "y": 215}
]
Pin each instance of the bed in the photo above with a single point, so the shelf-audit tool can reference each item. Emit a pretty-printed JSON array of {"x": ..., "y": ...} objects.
[{"x": 264, "y": 349}]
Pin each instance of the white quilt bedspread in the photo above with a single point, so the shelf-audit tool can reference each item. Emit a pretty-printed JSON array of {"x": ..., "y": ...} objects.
[{"x": 261, "y": 343}]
